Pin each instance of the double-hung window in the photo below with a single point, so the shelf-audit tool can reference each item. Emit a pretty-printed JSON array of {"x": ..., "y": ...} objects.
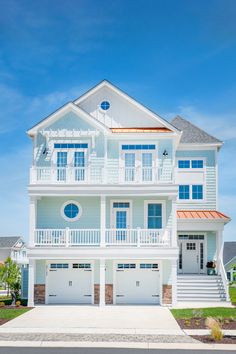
[{"x": 184, "y": 192}]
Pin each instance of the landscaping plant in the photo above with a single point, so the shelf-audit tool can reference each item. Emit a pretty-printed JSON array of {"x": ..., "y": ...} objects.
[
  {"x": 214, "y": 326},
  {"x": 10, "y": 275}
]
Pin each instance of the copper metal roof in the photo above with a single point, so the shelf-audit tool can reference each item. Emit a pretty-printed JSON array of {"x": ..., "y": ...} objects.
[
  {"x": 141, "y": 130},
  {"x": 202, "y": 214}
]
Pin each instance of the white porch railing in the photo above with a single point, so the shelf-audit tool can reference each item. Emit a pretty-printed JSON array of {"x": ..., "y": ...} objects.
[
  {"x": 224, "y": 279},
  {"x": 98, "y": 175},
  {"x": 92, "y": 237}
]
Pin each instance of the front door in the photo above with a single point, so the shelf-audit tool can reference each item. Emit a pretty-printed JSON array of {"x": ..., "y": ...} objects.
[
  {"x": 121, "y": 219},
  {"x": 191, "y": 257}
]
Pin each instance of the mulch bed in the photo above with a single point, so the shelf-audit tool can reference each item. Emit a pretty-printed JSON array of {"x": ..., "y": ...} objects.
[
  {"x": 209, "y": 340},
  {"x": 199, "y": 323},
  {"x": 3, "y": 320}
]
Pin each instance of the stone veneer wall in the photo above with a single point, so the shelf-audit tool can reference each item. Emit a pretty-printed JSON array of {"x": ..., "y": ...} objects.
[
  {"x": 108, "y": 293},
  {"x": 166, "y": 294},
  {"x": 39, "y": 293}
]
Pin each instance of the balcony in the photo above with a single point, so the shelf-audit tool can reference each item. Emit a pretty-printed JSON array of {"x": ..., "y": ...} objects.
[
  {"x": 100, "y": 175},
  {"x": 111, "y": 238}
]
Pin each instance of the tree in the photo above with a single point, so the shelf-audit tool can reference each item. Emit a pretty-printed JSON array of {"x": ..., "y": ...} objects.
[{"x": 10, "y": 275}]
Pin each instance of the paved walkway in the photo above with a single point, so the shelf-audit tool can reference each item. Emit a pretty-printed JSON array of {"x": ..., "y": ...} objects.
[{"x": 93, "y": 319}]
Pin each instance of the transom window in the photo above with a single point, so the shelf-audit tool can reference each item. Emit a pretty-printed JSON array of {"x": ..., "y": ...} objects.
[
  {"x": 71, "y": 211},
  {"x": 139, "y": 147},
  {"x": 154, "y": 216},
  {"x": 105, "y": 105},
  {"x": 71, "y": 146},
  {"x": 191, "y": 237},
  {"x": 126, "y": 266},
  {"x": 59, "y": 265},
  {"x": 121, "y": 205},
  {"x": 184, "y": 192},
  {"x": 148, "y": 266}
]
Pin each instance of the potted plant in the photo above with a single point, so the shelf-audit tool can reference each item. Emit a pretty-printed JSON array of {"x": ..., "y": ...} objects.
[{"x": 211, "y": 268}]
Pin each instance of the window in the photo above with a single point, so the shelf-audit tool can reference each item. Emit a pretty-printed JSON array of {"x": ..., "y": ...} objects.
[
  {"x": 191, "y": 237},
  {"x": 126, "y": 266},
  {"x": 105, "y": 105},
  {"x": 61, "y": 159},
  {"x": 148, "y": 266},
  {"x": 154, "y": 216},
  {"x": 197, "y": 163},
  {"x": 121, "y": 205},
  {"x": 184, "y": 163},
  {"x": 197, "y": 192},
  {"x": 71, "y": 146},
  {"x": 71, "y": 211},
  {"x": 138, "y": 147},
  {"x": 191, "y": 246},
  {"x": 79, "y": 162},
  {"x": 59, "y": 265},
  {"x": 81, "y": 266},
  {"x": 183, "y": 192}
]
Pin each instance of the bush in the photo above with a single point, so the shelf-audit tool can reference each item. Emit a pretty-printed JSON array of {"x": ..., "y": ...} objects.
[
  {"x": 18, "y": 303},
  {"x": 2, "y": 303},
  {"x": 214, "y": 326}
]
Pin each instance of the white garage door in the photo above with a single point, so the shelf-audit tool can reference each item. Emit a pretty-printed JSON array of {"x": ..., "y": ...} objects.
[
  {"x": 137, "y": 283},
  {"x": 69, "y": 283}
]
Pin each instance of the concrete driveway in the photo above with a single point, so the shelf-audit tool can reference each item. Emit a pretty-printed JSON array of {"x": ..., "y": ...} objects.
[{"x": 93, "y": 319}]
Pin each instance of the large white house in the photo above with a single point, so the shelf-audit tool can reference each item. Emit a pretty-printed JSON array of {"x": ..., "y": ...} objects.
[{"x": 123, "y": 206}]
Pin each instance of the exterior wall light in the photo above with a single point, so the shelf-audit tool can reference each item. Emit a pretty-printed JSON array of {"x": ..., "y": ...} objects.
[{"x": 165, "y": 153}]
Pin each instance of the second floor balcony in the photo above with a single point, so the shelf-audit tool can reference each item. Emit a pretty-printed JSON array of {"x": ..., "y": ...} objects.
[{"x": 101, "y": 175}]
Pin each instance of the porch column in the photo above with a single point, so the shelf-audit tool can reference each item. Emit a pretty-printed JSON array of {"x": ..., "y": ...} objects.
[
  {"x": 174, "y": 224},
  {"x": 31, "y": 282},
  {"x": 174, "y": 281},
  {"x": 102, "y": 282},
  {"x": 103, "y": 220},
  {"x": 32, "y": 219},
  {"x": 219, "y": 248}
]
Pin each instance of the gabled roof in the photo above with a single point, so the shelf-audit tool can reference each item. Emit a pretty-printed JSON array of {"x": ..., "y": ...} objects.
[
  {"x": 192, "y": 134},
  {"x": 118, "y": 91},
  {"x": 9, "y": 241},
  {"x": 229, "y": 251},
  {"x": 202, "y": 214}
]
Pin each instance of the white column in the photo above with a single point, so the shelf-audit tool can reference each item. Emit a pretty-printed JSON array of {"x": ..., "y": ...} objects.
[
  {"x": 174, "y": 281},
  {"x": 219, "y": 236},
  {"x": 102, "y": 282},
  {"x": 174, "y": 224},
  {"x": 31, "y": 282},
  {"x": 32, "y": 219},
  {"x": 103, "y": 220}
]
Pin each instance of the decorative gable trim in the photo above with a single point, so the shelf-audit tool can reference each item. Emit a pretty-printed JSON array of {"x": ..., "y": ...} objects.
[{"x": 69, "y": 107}]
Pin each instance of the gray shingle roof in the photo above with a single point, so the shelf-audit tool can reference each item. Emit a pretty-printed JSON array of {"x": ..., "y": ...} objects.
[
  {"x": 229, "y": 251},
  {"x": 191, "y": 133},
  {"x": 8, "y": 241}
]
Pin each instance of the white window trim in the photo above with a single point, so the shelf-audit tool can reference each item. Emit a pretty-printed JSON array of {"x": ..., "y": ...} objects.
[
  {"x": 71, "y": 151},
  {"x": 190, "y": 169},
  {"x": 130, "y": 210},
  {"x": 137, "y": 142},
  {"x": 153, "y": 201},
  {"x": 79, "y": 214},
  {"x": 191, "y": 200}
]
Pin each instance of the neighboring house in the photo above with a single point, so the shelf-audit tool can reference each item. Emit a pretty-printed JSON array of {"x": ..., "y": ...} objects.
[
  {"x": 229, "y": 258},
  {"x": 123, "y": 206},
  {"x": 14, "y": 247}
]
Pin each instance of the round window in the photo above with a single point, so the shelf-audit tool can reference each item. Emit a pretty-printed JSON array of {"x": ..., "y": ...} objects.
[
  {"x": 105, "y": 105},
  {"x": 71, "y": 211}
]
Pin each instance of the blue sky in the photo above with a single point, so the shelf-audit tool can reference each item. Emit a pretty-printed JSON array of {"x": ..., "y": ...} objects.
[{"x": 177, "y": 57}]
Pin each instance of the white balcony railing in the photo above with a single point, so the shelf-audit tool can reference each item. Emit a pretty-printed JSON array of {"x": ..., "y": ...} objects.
[
  {"x": 92, "y": 237},
  {"x": 98, "y": 175}
]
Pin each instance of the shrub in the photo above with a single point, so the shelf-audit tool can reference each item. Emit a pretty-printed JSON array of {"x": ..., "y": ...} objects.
[
  {"x": 2, "y": 304},
  {"x": 18, "y": 303},
  {"x": 197, "y": 313},
  {"x": 214, "y": 326}
]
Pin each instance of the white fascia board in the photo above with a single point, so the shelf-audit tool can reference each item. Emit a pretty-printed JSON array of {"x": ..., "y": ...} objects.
[
  {"x": 131, "y": 100},
  {"x": 230, "y": 261},
  {"x": 62, "y": 111},
  {"x": 140, "y": 136},
  {"x": 199, "y": 146},
  {"x": 103, "y": 252},
  {"x": 199, "y": 225},
  {"x": 168, "y": 190}
]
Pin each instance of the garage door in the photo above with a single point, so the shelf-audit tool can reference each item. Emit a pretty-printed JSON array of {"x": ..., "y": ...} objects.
[
  {"x": 137, "y": 283},
  {"x": 69, "y": 283}
]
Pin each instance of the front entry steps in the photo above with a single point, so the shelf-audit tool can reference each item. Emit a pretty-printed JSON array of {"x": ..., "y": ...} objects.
[{"x": 199, "y": 288}]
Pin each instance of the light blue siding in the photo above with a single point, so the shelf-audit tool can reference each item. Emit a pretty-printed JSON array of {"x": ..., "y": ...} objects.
[
  {"x": 40, "y": 272},
  {"x": 49, "y": 213},
  {"x": 71, "y": 121},
  {"x": 24, "y": 282},
  {"x": 210, "y": 202},
  {"x": 211, "y": 246}
]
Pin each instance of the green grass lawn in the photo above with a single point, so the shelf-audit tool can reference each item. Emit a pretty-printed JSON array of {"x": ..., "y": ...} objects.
[
  {"x": 12, "y": 313},
  {"x": 232, "y": 293},
  {"x": 224, "y": 312}
]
